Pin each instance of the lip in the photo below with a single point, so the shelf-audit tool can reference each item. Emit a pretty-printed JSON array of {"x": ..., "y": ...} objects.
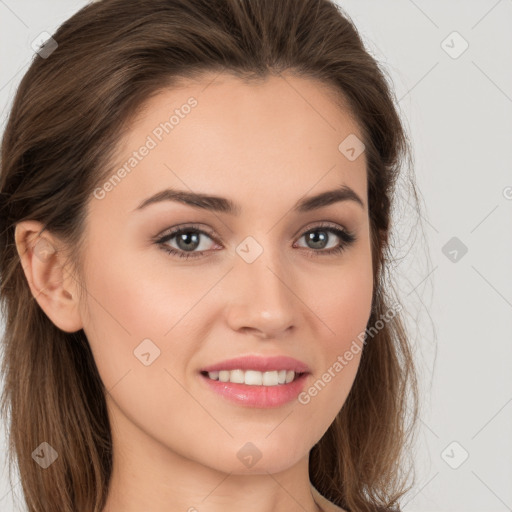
[
  {"x": 259, "y": 363},
  {"x": 263, "y": 397}
]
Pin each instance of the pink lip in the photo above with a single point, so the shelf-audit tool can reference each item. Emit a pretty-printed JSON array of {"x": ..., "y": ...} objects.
[
  {"x": 259, "y": 363},
  {"x": 264, "y": 397},
  {"x": 258, "y": 396}
]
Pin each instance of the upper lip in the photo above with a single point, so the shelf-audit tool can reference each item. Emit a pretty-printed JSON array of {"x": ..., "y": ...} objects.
[{"x": 259, "y": 363}]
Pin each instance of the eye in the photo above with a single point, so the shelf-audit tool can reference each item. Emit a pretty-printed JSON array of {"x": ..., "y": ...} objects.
[
  {"x": 346, "y": 238},
  {"x": 188, "y": 239}
]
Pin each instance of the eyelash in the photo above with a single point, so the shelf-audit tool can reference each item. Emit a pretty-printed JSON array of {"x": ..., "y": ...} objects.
[{"x": 347, "y": 239}]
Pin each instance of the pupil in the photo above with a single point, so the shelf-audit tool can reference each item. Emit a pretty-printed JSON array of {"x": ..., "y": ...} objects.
[
  {"x": 315, "y": 235},
  {"x": 184, "y": 237}
]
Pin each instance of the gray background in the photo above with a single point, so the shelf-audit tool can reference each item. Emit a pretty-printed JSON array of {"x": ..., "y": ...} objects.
[{"x": 457, "y": 107}]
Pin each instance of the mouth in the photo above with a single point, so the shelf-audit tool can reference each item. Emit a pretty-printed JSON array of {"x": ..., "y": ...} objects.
[
  {"x": 254, "y": 377},
  {"x": 263, "y": 390},
  {"x": 254, "y": 380}
]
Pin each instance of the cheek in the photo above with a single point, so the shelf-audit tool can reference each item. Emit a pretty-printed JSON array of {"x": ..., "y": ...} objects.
[
  {"x": 344, "y": 300},
  {"x": 343, "y": 304},
  {"x": 136, "y": 316},
  {"x": 130, "y": 302},
  {"x": 347, "y": 307},
  {"x": 124, "y": 307}
]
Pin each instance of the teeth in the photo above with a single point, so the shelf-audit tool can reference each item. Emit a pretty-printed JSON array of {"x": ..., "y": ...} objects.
[{"x": 253, "y": 377}]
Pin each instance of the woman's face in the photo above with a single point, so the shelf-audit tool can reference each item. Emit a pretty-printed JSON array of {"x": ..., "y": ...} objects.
[{"x": 263, "y": 280}]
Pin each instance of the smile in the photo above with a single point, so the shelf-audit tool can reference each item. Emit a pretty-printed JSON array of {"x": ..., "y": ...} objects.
[
  {"x": 254, "y": 377},
  {"x": 255, "y": 393}
]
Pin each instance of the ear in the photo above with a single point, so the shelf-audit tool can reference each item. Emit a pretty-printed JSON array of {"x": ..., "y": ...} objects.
[{"x": 51, "y": 284}]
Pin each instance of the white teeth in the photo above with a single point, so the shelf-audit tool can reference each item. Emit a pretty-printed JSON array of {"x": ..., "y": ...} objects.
[
  {"x": 237, "y": 376},
  {"x": 224, "y": 376},
  {"x": 270, "y": 378},
  {"x": 253, "y": 377}
]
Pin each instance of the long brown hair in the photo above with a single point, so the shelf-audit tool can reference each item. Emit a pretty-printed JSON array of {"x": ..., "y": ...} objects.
[{"x": 69, "y": 113}]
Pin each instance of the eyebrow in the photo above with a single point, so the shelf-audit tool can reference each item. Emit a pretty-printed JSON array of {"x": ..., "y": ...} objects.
[{"x": 223, "y": 205}]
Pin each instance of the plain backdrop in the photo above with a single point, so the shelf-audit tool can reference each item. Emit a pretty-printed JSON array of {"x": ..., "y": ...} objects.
[{"x": 450, "y": 66}]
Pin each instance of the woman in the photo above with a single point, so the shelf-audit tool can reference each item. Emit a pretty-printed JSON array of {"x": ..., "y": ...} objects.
[{"x": 196, "y": 200}]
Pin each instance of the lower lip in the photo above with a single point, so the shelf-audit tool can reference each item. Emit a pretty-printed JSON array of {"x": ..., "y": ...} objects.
[{"x": 257, "y": 396}]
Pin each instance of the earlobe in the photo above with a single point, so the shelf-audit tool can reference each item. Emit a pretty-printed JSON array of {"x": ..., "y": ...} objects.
[{"x": 50, "y": 282}]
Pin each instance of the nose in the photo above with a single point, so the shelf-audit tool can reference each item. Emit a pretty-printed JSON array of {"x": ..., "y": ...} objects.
[{"x": 261, "y": 297}]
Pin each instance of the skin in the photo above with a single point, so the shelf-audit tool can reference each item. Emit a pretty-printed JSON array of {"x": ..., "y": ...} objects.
[{"x": 264, "y": 146}]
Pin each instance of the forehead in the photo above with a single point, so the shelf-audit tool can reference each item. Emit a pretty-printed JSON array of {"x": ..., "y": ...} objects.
[{"x": 271, "y": 140}]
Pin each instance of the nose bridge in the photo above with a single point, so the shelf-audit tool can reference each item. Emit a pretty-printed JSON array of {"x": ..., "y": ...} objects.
[
  {"x": 264, "y": 267},
  {"x": 262, "y": 295}
]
